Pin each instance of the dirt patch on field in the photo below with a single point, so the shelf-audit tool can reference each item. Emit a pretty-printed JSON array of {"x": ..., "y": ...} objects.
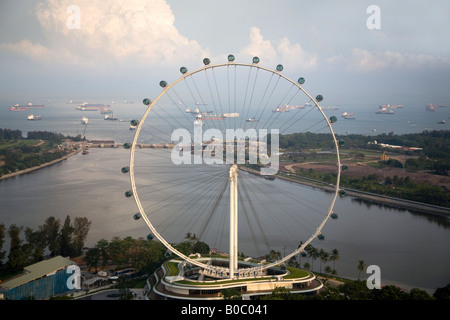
[{"x": 361, "y": 170}]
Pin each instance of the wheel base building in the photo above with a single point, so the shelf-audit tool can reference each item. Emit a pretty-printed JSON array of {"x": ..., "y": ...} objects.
[{"x": 179, "y": 280}]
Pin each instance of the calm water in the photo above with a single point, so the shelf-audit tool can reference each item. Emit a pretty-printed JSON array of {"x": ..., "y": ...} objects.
[
  {"x": 59, "y": 116},
  {"x": 411, "y": 249}
]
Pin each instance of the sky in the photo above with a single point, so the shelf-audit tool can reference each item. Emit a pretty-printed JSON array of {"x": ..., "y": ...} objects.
[{"x": 112, "y": 49}]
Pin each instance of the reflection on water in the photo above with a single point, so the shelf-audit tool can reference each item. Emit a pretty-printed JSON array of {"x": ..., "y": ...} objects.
[{"x": 411, "y": 249}]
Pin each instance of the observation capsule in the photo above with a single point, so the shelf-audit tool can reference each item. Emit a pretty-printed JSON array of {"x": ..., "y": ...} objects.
[
  {"x": 163, "y": 83},
  {"x": 319, "y": 98},
  {"x": 333, "y": 119},
  {"x": 321, "y": 237},
  {"x": 183, "y": 70},
  {"x": 134, "y": 123},
  {"x": 137, "y": 216},
  {"x": 341, "y": 143},
  {"x": 125, "y": 169},
  {"x": 206, "y": 61},
  {"x": 279, "y": 67},
  {"x": 128, "y": 193},
  {"x": 255, "y": 60},
  {"x": 230, "y": 58},
  {"x": 127, "y": 145},
  {"x": 345, "y": 167},
  {"x": 301, "y": 80},
  {"x": 334, "y": 216},
  {"x": 146, "y": 101},
  {"x": 149, "y": 237},
  {"x": 303, "y": 254}
]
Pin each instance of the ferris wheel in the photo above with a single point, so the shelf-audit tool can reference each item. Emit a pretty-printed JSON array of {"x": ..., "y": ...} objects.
[{"x": 205, "y": 163}]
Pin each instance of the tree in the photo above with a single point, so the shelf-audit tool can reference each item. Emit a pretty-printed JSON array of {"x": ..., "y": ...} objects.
[
  {"x": 442, "y": 293},
  {"x": 313, "y": 253},
  {"x": 231, "y": 294},
  {"x": 361, "y": 267},
  {"x": 17, "y": 258},
  {"x": 334, "y": 256},
  {"x": 2, "y": 240},
  {"x": 102, "y": 246},
  {"x": 328, "y": 270},
  {"x": 51, "y": 230},
  {"x": 81, "y": 227},
  {"x": 390, "y": 292},
  {"x": 92, "y": 258},
  {"x": 35, "y": 244},
  {"x": 417, "y": 294},
  {"x": 200, "y": 247},
  {"x": 65, "y": 238},
  {"x": 324, "y": 257}
]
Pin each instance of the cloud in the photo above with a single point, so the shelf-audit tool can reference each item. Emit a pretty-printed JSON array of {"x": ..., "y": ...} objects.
[
  {"x": 284, "y": 52},
  {"x": 109, "y": 31},
  {"x": 364, "y": 61}
]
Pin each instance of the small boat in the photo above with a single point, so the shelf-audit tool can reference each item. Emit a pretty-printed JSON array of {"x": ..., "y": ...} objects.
[
  {"x": 32, "y": 117},
  {"x": 442, "y": 122},
  {"x": 349, "y": 116},
  {"x": 84, "y": 120},
  {"x": 111, "y": 117},
  {"x": 251, "y": 120}
]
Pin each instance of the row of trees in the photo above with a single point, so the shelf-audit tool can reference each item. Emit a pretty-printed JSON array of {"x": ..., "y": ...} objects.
[
  {"x": 8, "y": 134},
  {"x": 11, "y": 134},
  {"x": 52, "y": 238}
]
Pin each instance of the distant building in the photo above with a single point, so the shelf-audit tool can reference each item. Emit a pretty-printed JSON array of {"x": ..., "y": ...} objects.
[{"x": 41, "y": 280}]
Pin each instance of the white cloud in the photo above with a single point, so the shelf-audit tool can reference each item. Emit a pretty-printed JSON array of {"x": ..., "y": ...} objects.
[
  {"x": 110, "y": 31},
  {"x": 285, "y": 52},
  {"x": 364, "y": 61}
]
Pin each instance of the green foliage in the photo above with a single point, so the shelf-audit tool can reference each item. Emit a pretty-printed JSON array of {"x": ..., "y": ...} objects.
[
  {"x": 141, "y": 254},
  {"x": 49, "y": 237},
  {"x": 442, "y": 293}
]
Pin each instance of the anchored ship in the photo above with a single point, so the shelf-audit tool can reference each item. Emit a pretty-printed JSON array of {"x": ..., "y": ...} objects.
[
  {"x": 18, "y": 107},
  {"x": 32, "y": 117},
  {"x": 110, "y": 117}
]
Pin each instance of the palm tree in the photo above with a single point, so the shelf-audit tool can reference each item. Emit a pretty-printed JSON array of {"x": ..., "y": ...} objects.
[
  {"x": 307, "y": 266},
  {"x": 314, "y": 253},
  {"x": 334, "y": 256},
  {"x": 324, "y": 257},
  {"x": 361, "y": 267}
]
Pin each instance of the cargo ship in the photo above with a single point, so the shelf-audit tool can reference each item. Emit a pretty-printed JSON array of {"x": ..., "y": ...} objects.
[
  {"x": 91, "y": 107},
  {"x": 384, "y": 110},
  {"x": 209, "y": 116},
  {"x": 230, "y": 115},
  {"x": 17, "y": 107},
  {"x": 348, "y": 116},
  {"x": 110, "y": 117}
]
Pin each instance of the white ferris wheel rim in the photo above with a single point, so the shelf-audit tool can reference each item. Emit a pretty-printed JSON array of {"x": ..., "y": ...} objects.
[{"x": 147, "y": 220}]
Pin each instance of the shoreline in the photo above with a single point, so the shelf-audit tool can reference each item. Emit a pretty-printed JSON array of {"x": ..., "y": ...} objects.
[
  {"x": 366, "y": 196},
  {"x": 35, "y": 168}
]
